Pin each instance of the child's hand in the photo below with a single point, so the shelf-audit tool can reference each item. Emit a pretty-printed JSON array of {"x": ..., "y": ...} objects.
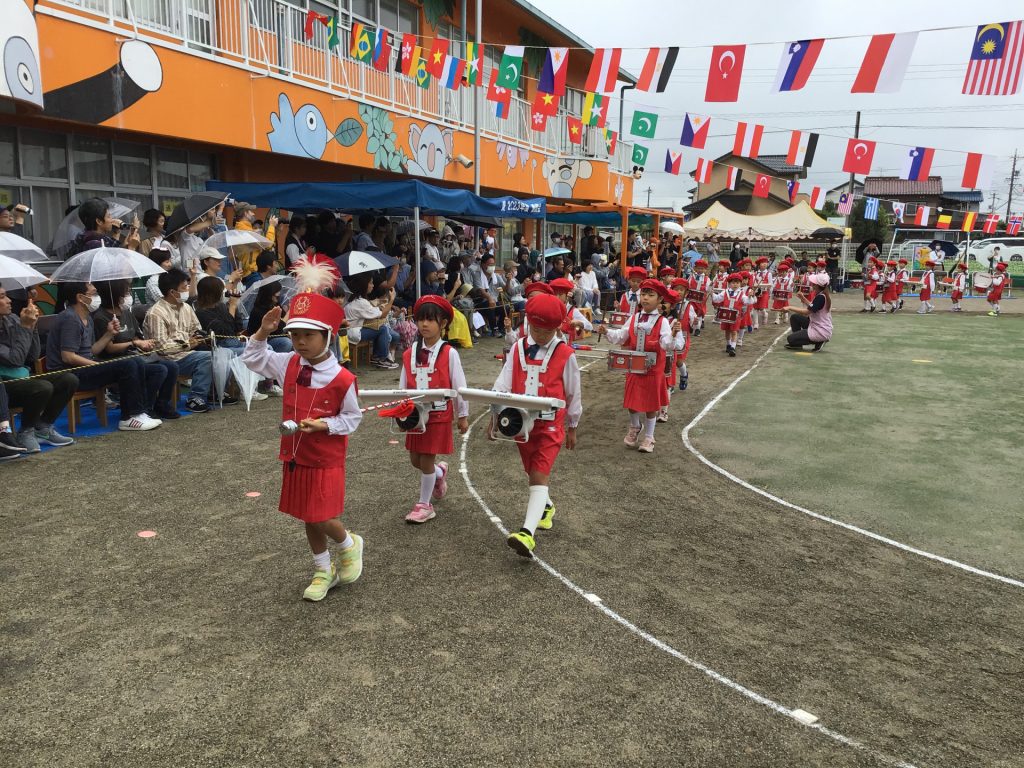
[
  {"x": 270, "y": 321},
  {"x": 312, "y": 425},
  {"x": 570, "y": 438},
  {"x": 508, "y": 324},
  {"x": 490, "y": 430},
  {"x": 463, "y": 425}
]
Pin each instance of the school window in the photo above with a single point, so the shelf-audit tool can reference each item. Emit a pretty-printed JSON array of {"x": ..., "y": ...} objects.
[
  {"x": 44, "y": 154},
  {"x": 365, "y": 10}
]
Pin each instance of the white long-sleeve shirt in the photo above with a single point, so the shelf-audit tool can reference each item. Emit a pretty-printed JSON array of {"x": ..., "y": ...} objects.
[
  {"x": 575, "y": 316},
  {"x": 455, "y": 374},
  {"x": 570, "y": 380},
  {"x": 666, "y": 338},
  {"x": 261, "y": 359}
]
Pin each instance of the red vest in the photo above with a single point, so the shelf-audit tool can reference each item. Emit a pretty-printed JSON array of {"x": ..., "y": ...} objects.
[
  {"x": 568, "y": 329},
  {"x": 652, "y": 343},
  {"x": 624, "y": 302},
  {"x": 316, "y": 449},
  {"x": 440, "y": 379},
  {"x": 551, "y": 384},
  {"x": 734, "y": 302}
]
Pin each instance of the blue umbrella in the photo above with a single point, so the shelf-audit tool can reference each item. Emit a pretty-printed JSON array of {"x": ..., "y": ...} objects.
[
  {"x": 359, "y": 262},
  {"x": 556, "y": 252}
]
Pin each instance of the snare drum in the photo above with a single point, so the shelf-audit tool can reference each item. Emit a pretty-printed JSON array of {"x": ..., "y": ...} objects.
[
  {"x": 628, "y": 361},
  {"x": 806, "y": 289},
  {"x": 726, "y": 315},
  {"x": 616, "y": 318},
  {"x": 780, "y": 295},
  {"x": 982, "y": 281},
  {"x": 697, "y": 297}
]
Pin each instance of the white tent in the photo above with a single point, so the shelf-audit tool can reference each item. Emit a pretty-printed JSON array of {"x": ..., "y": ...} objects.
[{"x": 794, "y": 223}]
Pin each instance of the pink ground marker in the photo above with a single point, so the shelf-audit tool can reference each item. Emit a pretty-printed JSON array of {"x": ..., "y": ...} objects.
[
  {"x": 146, "y": 534},
  {"x": 253, "y": 494}
]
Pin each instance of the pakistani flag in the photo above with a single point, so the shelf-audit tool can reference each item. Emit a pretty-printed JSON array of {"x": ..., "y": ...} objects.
[
  {"x": 511, "y": 67},
  {"x": 639, "y": 154},
  {"x": 644, "y": 124}
]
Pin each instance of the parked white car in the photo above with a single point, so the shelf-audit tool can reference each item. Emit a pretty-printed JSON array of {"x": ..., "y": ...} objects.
[{"x": 1010, "y": 249}]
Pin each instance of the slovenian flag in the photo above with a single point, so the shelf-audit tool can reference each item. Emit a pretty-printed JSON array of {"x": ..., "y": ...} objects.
[
  {"x": 673, "y": 162},
  {"x": 795, "y": 66},
  {"x": 695, "y": 131},
  {"x": 918, "y": 164}
]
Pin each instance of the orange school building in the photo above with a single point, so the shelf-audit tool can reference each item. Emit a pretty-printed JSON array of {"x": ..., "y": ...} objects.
[{"x": 149, "y": 99}]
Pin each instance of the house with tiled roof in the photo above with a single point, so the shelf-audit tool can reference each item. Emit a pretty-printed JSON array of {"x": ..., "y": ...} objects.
[
  {"x": 742, "y": 198},
  {"x": 928, "y": 192}
]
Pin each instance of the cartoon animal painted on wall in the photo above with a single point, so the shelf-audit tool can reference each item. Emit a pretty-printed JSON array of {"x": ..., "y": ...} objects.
[
  {"x": 431, "y": 150},
  {"x": 562, "y": 174},
  {"x": 302, "y": 132},
  {"x": 19, "y": 55}
]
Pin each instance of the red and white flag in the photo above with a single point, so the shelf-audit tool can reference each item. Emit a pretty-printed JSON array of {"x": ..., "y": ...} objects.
[
  {"x": 991, "y": 222},
  {"x": 657, "y": 69},
  {"x": 763, "y": 185},
  {"x": 922, "y": 215},
  {"x": 859, "y": 153},
  {"x": 885, "y": 63},
  {"x": 817, "y": 198},
  {"x": 725, "y": 72},
  {"x": 604, "y": 70},
  {"x": 732, "y": 177},
  {"x": 748, "y": 139},
  {"x": 977, "y": 171},
  {"x": 703, "y": 173},
  {"x": 1013, "y": 224}
]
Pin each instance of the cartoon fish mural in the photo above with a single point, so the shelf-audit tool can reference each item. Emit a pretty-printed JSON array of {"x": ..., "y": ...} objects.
[{"x": 303, "y": 133}]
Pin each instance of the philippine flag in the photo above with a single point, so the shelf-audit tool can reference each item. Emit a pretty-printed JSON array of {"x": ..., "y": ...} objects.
[
  {"x": 703, "y": 173},
  {"x": 795, "y": 66},
  {"x": 748, "y": 139},
  {"x": 918, "y": 164},
  {"x": 673, "y": 162},
  {"x": 695, "y": 131}
]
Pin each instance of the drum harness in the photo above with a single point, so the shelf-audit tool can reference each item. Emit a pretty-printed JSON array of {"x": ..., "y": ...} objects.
[
  {"x": 423, "y": 373},
  {"x": 533, "y": 373}
]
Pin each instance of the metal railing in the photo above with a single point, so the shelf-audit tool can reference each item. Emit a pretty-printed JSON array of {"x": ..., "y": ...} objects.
[{"x": 267, "y": 37}]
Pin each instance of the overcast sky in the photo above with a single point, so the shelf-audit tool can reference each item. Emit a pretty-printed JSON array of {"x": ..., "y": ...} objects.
[{"x": 928, "y": 111}]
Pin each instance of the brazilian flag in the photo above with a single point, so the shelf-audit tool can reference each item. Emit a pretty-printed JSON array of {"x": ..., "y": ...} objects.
[
  {"x": 362, "y": 46},
  {"x": 333, "y": 33}
]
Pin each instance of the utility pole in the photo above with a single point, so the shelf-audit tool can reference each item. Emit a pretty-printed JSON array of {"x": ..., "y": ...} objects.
[
  {"x": 1013, "y": 180},
  {"x": 992, "y": 205},
  {"x": 849, "y": 191},
  {"x": 649, "y": 190}
]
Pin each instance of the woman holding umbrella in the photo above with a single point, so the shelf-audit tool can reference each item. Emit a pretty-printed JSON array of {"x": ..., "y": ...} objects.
[{"x": 100, "y": 227}]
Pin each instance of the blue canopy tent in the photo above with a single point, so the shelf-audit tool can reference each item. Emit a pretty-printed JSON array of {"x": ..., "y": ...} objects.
[{"x": 409, "y": 197}]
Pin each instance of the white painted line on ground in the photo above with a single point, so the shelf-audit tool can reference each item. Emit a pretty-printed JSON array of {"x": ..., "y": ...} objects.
[
  {"x": 718, "y": 677},
  {"x": 817, "y": 515}
]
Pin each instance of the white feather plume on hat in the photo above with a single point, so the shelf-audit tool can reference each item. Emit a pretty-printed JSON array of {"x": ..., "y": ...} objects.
[{"x": 314, "y": 276}]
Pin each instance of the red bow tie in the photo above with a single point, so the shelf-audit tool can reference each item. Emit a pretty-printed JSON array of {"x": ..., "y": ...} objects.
[{"x": 305, "y": 377}]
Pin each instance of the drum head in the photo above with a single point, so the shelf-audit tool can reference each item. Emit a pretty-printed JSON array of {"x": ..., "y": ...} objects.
[
  {"x": 510, "y": 422},
  {"x": 412, "y": 421}
]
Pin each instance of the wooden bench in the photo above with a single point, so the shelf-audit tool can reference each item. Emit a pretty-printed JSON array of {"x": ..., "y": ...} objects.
[{"x": 362, "y": 349}]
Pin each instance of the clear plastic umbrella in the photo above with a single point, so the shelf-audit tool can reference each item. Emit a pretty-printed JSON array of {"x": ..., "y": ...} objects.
[
  {"x": 100, "y": 264},
  {"x": 72, "y": 226},
  {"x": 19, "y": 248},
  {"x": 221, "y": 358},
  {"x": 671, "y": 226},
  {"x": 247, "y": 380},
  {"x": 288, "y": 289},
  {"x": 18, "y": 274},
  {"x": 237, "y": 237},
  {"x": 557, "y": 251}
]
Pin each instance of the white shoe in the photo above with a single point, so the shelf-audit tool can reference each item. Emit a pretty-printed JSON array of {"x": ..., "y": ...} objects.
[
  {"x": 260, "y": 395},
  {"x": 140, "y": 423},
  {"x": 151, "y": 418},
  {"x": 275, "y": 391}
]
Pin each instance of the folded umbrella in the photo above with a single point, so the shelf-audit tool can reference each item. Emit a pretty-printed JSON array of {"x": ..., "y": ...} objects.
[
  {"x": 17, "y": 274},
  {"x": 20, "y": 248},
  {"x": 101, "y": 264},
  {"x": 247, "y": 380},
  {"x": 191, "y": 209},
  {"x": 360, "y": 262},
  {"x": 71, "y": 226}
]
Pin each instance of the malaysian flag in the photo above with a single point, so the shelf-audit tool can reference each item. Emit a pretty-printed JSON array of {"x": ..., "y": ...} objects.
[
  {"x": 845, "y": 204},
  {"x": 995, "y": 65},
  {"x": 871, "y": 209}
]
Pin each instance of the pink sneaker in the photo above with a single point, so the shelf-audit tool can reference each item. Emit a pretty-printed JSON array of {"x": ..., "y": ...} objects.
[
  {"x": 441, "y": 485},
  {"x": 646, "y": 445},
  {"x": 631, "y": 437},
  {"x": 421, "y": 513}
]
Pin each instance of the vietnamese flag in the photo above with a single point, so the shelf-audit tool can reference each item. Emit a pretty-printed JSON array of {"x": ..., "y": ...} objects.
[
  {"x": 724, "y": 73},
  {"x": 545, "y": 103},
  {"x": 436, "y": 58},
  {"x": 859, "y": 153},
  {"x": 575, "y": 126}
]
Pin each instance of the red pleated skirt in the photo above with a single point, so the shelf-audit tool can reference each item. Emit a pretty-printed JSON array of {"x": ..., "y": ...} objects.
[
  {"x": 645, "y": 391},
  {"x": 312, "y": 494},
  {"x": 437, "y": 439}
]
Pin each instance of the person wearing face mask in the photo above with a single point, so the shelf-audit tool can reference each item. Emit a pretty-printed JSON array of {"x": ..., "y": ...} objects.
[
  {"x": 72, "y": 343},
  {"x": 245, "y": 216},
  {"x": 116, "y": 303},
  {"x": 174, "y": 326}
]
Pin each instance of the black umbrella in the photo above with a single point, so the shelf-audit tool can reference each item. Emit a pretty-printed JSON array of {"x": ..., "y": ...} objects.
[
  {"x": 826, "y": 232},
  {"x": 949, "y": 250},
  {"x": 863, "y": 247},
  {"x": 193, "y": 208}
]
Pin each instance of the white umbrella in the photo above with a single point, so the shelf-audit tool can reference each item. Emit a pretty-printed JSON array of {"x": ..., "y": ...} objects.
[
  {"x": 237, "y": 237},
  {"x": 101, "y": 264},
  {"x": 672, "y": 226},
  {"x": 360, "y": 262},
  {"x": 221, "y": 358},
  {"x": 19, "y": 248},
  {"x": 288, "y": 290},
  {"x": 247, "y": 380},
  {"x": 17, "y": 274},
  {"x": 71, "y": 227}
]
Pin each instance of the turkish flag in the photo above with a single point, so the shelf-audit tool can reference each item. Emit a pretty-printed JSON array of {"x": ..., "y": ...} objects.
[
  {"x": 859, "y": 153},
  {"x": 725, "y": 72},
  {"x": 763, "y": 185}
]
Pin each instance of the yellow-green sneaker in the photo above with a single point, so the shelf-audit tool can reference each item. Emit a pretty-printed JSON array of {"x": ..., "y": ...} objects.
[
  {"x": 522, "y": 543},
  {"x": 545, "y": 520},
  {"x": 350, "y": 561},
  {"x": 322, "y": 583}
]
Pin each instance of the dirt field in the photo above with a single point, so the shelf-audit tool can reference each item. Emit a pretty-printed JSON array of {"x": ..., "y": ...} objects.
[{"x": 194, "y": 649}]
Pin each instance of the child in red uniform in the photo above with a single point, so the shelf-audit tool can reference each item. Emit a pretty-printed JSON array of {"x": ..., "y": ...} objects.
[
  {"x": 432, "y": 363},
  {"x": 959, "y": 286},
  {"x": 645, "y": 393},
  {"x": 902, "y": 278},
  {"x": 512, "y": 335},
  {"x": 630, "y": 299},
  {"x": 871, "y": 278},
  {"x": 762, "y": 291},
  {"x": 995, "y": 293},
  {"x": 698, "y": 287},
  {"x": 665, "y": 274},
  {"x": 891, "y": 292},
  {"x": 735, "y": 298},
  {"x": 575, "y": 321},
  {"x": 782, "y": 290},
  {"x": 320, "y": 397},
  {"x": 927, "y": 283},
  {"x": 542, "y": 365},
  {"x": 677, "y": 308}
]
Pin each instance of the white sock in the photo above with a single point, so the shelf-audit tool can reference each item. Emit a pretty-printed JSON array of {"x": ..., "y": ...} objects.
[
  {"x": 535, "y": 507},
  {"x": 426, "y": 487},
  {"x": 322, "y": 561},
  {"x": 438, "y": 472},
  {"x": 682, "y": 370},
  {"x": 649, "y": 425},
  {"x": 634, "y": 420},
  {"x": 348, "y": 542}
]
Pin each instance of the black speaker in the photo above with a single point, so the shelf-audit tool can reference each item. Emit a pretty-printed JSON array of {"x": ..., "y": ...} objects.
[
  {"x": 412, "y": 421},
  {"x": 510, "y": 422}
]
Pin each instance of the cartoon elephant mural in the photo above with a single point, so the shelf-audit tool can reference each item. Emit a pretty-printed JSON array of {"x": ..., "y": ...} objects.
[
  {"x": 563, "y": 173},
  {"x": 431, "y": 150},
  {"x": 303, "y": 132}
]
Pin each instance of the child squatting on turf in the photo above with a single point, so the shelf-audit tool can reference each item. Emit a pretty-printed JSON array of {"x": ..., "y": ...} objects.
[
  {"x": 432, "y": 363},
  {"x": 320, "y": 397},
  {"x": 541, "y": 365}
]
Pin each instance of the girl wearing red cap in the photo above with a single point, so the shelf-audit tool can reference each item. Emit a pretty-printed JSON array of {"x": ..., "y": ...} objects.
[
  {"x": 762, "y": 284},
  {"x": 959, "y": 286},
  {"x": 902, "y": 278},
  {"x": 675, "y": 364},
  {"x": 512, "y": 335},
  {"x": 542, "y": 365},
  {"x": 891, "y": 292},
  {"x": 927, "y": 284},
  {"x": 734, "y": 298},
  {"x": 629, "y": 301},
  {"x": 698, "y": 286},
  {"x": 999, "y": 280},
  {"x": 432, "y": 363},
  {"x": 647, "y": 331},
  {"x": 871, "y": 278},
  {"x": 782, "y": 290},
  {"x": 320, "y": 400}
]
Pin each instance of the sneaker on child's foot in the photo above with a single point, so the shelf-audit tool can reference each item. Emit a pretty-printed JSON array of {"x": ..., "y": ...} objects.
[
  {"x": 257, "y": 396},
  {"x": 646, "y": 445},
  {"x": 274, "y": 390},
  {"x": 51, "y": 436},
  {"x": 684, "y": 382},
  {"x": 663, "y": 415},
  {"x": 731, "y": 351},
  {"x": 323, "y": 582},
  {"x": 441, "y": 483},
  {"x": 546, "y": 519},
  {"x": 631, "y": 437},
  {"x": 350, "y": 561},
  {"x": 522, "y": 543},
  {"x": 421, "y": 513}
]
